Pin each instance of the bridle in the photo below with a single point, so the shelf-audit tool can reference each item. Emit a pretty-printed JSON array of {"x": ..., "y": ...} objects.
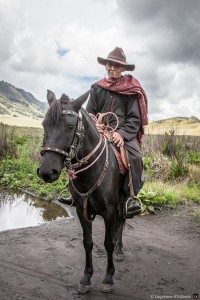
[
  {"x": 76, "y": 143},
  {"x": 75, "y": 146},
  {"x": 73, "y": 152}
]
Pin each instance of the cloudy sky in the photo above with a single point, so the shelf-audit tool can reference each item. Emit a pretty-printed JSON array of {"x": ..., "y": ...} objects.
[{"x": 54, "y": 44}]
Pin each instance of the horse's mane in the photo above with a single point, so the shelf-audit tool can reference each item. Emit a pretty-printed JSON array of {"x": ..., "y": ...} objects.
[
  {"x": 88, "y": 118},
  {"x": 52, "y": 117},
  {"x": 53, "y": 114}
]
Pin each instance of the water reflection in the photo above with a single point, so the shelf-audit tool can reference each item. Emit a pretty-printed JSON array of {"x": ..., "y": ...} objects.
[{"x": 19, "y": 210}]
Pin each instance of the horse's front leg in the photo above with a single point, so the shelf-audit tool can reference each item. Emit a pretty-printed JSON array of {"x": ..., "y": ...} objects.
[
  {"x": 85, "y": 282},
  {"x": 118, "y": 252},
  {"x": 109, "y": 243}
]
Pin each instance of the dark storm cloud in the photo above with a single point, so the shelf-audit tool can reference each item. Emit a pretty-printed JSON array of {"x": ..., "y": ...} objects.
[{"x": 173, "y": 25}]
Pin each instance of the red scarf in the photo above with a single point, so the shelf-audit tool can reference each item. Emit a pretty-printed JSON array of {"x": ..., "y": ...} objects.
[{"x": 128, "y": 85}]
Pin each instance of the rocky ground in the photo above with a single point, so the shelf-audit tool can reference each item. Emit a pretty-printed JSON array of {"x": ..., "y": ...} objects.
[{"x": 162, "y": 259}]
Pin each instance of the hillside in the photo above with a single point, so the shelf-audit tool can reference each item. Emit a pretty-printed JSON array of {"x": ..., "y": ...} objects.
[
  {"x": 18, "y": 107},
  {"x": 21, "y": 108},
  {"x": 180, "y": 126}
]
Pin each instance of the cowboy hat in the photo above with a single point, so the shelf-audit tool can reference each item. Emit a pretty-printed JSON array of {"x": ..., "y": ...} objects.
[{"x": 118, "y": 56}]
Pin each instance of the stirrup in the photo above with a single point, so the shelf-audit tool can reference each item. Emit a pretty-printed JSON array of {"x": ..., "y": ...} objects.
[{"x": 130, "y": 215}]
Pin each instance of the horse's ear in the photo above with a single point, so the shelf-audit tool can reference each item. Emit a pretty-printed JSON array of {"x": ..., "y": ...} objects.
[
  {"x": 80, "y": 100},
  {"x": 50, "y": 97}
]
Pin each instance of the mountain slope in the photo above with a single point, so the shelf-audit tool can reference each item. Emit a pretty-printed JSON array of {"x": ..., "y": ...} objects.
[
  {"x": 21, "y": 108},
  {"x": 18, "y": 107}
]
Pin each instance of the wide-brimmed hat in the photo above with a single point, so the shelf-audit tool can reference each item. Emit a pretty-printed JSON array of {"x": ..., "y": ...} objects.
[{"x": 118, "y": 56}]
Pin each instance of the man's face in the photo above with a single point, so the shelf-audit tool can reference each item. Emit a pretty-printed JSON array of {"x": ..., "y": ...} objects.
[{"x": 114, "y": 69}]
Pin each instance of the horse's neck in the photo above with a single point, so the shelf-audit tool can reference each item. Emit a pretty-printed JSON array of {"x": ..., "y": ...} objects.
[{"x": 91, "y": 135}]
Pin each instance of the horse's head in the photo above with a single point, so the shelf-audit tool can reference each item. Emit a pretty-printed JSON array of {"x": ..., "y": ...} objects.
[{"x": 63, "y": 130}]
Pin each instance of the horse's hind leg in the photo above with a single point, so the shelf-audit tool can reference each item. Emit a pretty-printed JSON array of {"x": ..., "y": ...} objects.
[
  {"x": 118, "y": 252},
  {"x": 85, "y": 282},
  {"x": 109, "y": 243}
]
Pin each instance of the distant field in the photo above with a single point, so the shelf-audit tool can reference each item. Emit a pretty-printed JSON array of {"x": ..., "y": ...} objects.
[
  {"x": 22, "y": 121},
  {"x": 180, "y": 126}
]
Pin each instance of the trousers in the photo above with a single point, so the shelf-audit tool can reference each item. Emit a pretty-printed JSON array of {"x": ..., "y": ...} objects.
[{"x": 135, "y": 159}]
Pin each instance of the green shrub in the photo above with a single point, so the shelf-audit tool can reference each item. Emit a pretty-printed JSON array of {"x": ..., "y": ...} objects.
[
  {"x": 179, "y": 168},
  {"x": 150, "y": 200},
  {"x": 19, "y": 163},
  {"x": 193, "y": 157},
  {"x": 8, "y": 145},
  {"x": 21, "y": 173}
]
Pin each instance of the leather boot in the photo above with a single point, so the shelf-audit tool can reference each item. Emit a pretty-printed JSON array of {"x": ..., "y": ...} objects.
[
  {"x": 132, "y": 208},
  {"x": 68, "y": 201}
]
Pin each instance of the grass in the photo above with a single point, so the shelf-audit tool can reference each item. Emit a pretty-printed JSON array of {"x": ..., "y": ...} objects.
[
  {"x": 26, "y": 178},
  {"x": 172, "y": 173},
  {"x": 18, "y": 166},
  {"x": 174, "y": 193}
]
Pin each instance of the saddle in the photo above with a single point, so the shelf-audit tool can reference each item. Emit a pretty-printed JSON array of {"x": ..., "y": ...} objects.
[
  {"x": 122, "y": 160},
  {"x": 121, "y": 154}
]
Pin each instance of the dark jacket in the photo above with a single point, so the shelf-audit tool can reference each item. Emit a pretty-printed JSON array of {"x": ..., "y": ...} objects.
[{"x": 126, "y": 107}]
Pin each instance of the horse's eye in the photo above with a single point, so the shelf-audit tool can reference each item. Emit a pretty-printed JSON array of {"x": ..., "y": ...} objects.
[{"x": 71, "y": 127}]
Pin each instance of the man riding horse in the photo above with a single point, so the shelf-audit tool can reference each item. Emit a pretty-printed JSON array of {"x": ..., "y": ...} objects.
[{"x": 124, "y": 97}]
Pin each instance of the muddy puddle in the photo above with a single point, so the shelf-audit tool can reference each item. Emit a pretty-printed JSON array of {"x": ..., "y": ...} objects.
[{"x": 19, "y": 210}]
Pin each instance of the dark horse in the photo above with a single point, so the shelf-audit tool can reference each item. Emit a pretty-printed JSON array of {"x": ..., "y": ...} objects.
[{"x": 71, "y": 140}]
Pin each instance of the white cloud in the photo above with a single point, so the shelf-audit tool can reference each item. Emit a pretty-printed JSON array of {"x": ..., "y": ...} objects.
[
  {"x": 10, "y": 25},
  {"x": 54, "y": 45}
]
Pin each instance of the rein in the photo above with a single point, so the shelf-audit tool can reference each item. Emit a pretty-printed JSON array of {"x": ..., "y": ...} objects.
[
  {"x": 72, "y": 174},
  {"x": 86, "y": 195},
  {"x": 73, "y": 152},
  {"x": 85, "y": 159}
]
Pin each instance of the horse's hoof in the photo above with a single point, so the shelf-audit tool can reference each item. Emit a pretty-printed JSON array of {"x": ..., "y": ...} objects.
[
  {"x": 107, "y": 288},
  {"x": 119, "y": 256},
  {"x": 83, "y": 289}
]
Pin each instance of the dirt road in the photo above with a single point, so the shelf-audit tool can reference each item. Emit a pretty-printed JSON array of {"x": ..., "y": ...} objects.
[{"x": 162, "y": 260}]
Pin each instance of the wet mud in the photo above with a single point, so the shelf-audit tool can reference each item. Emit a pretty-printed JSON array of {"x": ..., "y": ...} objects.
[{"x": 162, "y": 259}]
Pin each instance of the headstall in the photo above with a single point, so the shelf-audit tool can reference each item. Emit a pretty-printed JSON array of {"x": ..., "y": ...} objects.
[{"x": 76, "y": 143}]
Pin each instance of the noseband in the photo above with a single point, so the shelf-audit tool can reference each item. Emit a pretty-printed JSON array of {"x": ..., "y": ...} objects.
[{"x": 77, "y": 140}]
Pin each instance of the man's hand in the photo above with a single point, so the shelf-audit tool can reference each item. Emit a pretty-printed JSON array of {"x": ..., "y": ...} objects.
[
  {"x": 118, "y": 139},
  {"x": 100, "y": 127}
]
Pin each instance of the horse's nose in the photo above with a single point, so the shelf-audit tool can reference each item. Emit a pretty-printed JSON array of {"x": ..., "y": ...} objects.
[{"x": 50, "y": 176}]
